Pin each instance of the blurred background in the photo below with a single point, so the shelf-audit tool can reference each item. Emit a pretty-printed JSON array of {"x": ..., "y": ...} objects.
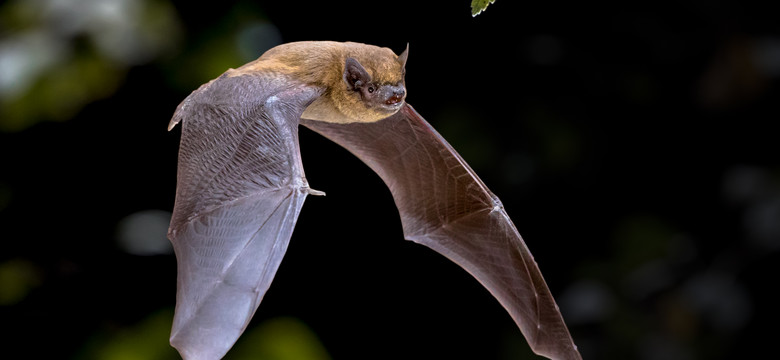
[{"x": 634, "y": 145}]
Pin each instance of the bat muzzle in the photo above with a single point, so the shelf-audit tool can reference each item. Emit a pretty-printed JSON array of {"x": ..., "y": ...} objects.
[{"x": 395, "y": 94}]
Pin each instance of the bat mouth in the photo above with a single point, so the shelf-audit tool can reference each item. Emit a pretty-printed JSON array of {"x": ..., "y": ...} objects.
[
  {"x": 394, "y": 97},
  {"x": 392, "y": 106}
]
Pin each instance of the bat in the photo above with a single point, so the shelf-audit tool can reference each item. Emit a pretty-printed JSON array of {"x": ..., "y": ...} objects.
[{"x": 241, "y": 186}]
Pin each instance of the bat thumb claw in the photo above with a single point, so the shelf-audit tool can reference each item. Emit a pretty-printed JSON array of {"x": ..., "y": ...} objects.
[
  {"x": 315, "y": 192},
  {"x": 172, "y": 124}
]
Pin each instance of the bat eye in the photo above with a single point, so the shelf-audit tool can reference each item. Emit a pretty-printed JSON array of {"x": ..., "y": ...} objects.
[{"x": 370, "y": 89}]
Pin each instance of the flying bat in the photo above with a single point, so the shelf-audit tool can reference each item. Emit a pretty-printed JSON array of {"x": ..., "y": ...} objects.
[{"x": 241, "y": 186}]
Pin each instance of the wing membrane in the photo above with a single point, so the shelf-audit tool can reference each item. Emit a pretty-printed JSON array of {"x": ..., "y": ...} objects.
[
  {"x": 226, "y": 262},
  {"x": 240, "y": 190},
  {"x": 445, "y": 206}
]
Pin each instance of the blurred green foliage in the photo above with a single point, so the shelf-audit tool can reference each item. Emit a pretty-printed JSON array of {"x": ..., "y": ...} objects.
[
  {"x": 235, "y": 39},
  {"x": 146, "y": 340},
  {"x": 17, "y": 278},
  {"x": 58, "y": 56},
  {"x": 282, "y": 338}
]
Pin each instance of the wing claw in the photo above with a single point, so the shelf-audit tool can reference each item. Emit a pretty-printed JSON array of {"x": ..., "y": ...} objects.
[{"x": 315, "y": 192}]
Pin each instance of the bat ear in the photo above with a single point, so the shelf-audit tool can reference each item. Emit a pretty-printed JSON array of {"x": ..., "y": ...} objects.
[
  {"x": 355, "y": 74},
  {"x": 404, "y": 55}
]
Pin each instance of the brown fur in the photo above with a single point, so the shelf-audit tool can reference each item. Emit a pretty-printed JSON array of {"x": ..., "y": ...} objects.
[{"x": 321, "y": 64}]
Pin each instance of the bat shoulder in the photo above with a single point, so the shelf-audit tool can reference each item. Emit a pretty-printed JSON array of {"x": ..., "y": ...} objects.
[
  {"x": 237, "y": 91},
  {"x": 242, "y": 89}
]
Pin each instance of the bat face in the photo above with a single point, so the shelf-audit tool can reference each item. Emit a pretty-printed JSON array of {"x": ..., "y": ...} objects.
[
  {"x": 241, "y": 186},
  {"x": 386, "y": 98}
]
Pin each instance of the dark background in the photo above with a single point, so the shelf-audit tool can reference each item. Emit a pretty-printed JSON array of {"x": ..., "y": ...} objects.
[{"x": 634, "y": 145}]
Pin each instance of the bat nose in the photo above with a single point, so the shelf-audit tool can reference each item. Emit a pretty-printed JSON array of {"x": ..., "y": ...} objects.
[{"x": 396, "y": 97}]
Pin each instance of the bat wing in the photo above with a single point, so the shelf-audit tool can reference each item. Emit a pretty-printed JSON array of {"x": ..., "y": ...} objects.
[
  {"x": 445, "y": 206},
  {"x": 240, "y": 189}
]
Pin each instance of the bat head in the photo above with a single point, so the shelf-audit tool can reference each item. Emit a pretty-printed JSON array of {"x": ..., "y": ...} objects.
[
  {"x": 382, "y": 96},
  {"x": 373, "y": 86},
  {"x": 365, "y": 83}
]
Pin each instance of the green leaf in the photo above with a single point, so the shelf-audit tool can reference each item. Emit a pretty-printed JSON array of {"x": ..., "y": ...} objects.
[{"x": 478, "y": 6}]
